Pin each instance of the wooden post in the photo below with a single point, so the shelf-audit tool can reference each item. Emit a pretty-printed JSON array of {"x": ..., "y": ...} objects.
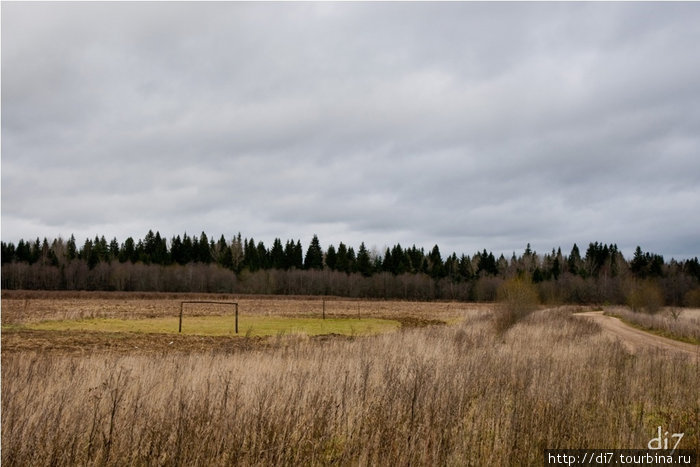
[
  {"x": 236, "y": 318},
  {"x": 324, "y": 308}
]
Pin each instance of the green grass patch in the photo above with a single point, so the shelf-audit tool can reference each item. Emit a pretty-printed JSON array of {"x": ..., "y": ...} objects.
[{"x": 225, "y": 325}]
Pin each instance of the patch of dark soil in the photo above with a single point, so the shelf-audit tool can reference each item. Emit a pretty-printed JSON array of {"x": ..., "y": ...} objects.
[
  {"x": 407, "y": 321},
  {"x": 416, "y": 322},
  {"x": 23, "y": 340}
]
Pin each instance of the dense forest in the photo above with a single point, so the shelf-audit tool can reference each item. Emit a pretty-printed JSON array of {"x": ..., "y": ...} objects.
[{"x": 601, "y": 274}]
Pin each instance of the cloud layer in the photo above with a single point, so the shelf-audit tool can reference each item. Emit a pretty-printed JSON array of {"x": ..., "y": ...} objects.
[{"x": 468, "y": 125}]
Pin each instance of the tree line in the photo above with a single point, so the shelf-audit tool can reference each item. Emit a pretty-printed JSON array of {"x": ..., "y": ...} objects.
[{"x": 241, "y": 265}]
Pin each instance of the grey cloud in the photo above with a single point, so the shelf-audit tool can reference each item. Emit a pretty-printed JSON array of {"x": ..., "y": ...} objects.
[{"x": 468, "y": 125}]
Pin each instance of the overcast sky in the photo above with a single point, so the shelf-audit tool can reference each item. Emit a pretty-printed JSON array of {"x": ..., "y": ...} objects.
[{"x": 467, "y": 125}]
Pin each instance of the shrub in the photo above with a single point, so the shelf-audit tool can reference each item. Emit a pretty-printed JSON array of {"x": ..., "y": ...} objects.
[
  {"x": 486, "y": 288},
  {"x": 692, "y": 298},
  {"x": 517, "y": 298},
  {"x": 645, "y": 297}
]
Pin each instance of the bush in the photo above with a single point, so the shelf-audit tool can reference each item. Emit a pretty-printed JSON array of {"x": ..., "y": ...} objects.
[
  {"x": 486, "y": 288},
  {"x": 517, "y": 298},
  {"x": 645, "y": 297},
  {"x": 692, "y": 298}
]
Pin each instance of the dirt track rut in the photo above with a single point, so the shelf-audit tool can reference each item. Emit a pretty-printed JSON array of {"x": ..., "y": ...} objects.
[{"x": 635, "y": 339}]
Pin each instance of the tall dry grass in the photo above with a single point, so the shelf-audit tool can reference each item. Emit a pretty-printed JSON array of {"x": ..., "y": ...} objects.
[{"x": 457, "y": 395}]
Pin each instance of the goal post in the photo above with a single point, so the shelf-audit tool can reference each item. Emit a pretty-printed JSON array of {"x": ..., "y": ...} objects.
[{"x": 214, "y": 302}]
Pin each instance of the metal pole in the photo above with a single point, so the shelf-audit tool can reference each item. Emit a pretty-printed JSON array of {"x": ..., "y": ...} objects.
[
  {"x": 236, "y": 318},
  {"x": 324, "y": 308},
  {"x": 180, "y": 327}
]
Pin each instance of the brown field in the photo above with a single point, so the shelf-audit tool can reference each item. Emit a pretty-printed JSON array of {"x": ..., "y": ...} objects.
[
  {"x": 24, "y": 306},
  {"x": 446, "y": 389}
]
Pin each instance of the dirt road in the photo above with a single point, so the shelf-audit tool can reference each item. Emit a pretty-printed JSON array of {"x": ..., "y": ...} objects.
[{"x": 635, "y": 339}]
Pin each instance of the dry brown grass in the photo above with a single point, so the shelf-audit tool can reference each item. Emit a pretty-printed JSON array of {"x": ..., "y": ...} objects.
[{"x": 436, "y": 395}]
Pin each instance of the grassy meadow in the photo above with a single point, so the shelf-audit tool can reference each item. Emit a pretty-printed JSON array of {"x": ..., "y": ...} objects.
[{"x": 446, "y": 388}]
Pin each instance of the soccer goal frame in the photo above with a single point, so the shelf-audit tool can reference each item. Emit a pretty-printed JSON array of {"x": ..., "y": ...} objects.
[{"x": 183, "y": 303}]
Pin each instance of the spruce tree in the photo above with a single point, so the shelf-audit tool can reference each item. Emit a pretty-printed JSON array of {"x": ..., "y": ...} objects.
[
  {"x": 487, "y": 264},
  {"x": 692, "y": 267},
  {"x": 237, "y": 253},
  {"x": 574, "y": 261},
  {"x": 465, "y": 267},
  {"x": 35, "y": 251},
  {"x": 364, "y": 264},
  {"x": 277, "y": 255},
  {"x": 331, "y": 258},
  {"x": 400, "y": 260},
  {"x": 388, "y": 263},
  {"x": 114, "y": 249},
  {"x": 352, "y": 260},
  {"x": 187, "y": 254},
  {"x": 218, "y": 250},
  {"x": 638, "y": 265},
  {"x": 160, "y": 250},
  {"x": 556, "y": 264},
  {"x": 437, "y": 269},
  {"x": 416, "y": 258},
  {"x": 8, "y": 252},
  {"x": 289, "y": 254},
  {"x": 71, "y": 249},
  {"x": 149, "y": 247},
  {"x": 314, "y": 255},
  {"x": 342, "y": 263},
  {"x": 452, "y": 267},
  {"x": 128, "y": 251},
  {"x": 204, "y": 252},
  {"x": 263, "y": 256},
  {"x": 227, "y": 258},
  {"x": 176, "y": 249},
  {"x": 45, "y": 252},
  {"x": 297, "y": 258},
  {"x": 251, "y": 260}
]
